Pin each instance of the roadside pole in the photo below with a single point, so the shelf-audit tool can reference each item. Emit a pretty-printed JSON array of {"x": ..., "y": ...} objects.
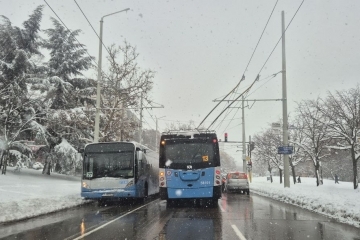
[
  {"x": 284, "y": 96},
  {"x": 249, "y": 164},
  {"x": 243, "y": 135}
]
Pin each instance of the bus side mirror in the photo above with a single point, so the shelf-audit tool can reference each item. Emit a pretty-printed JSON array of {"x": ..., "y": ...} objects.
[
  {"x": 139, "y": 155},
  {"x": 80, "y": 150}
]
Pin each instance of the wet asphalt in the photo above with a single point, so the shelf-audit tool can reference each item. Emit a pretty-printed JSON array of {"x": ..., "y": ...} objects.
[{"x": 235, "y": 216}]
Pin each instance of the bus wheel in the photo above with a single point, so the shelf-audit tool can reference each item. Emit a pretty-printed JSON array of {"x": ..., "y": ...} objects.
[
  {"x": 101, "y": 203},
  {"x": 170, "y": 203},
  {"x": 146, "y": 191}
]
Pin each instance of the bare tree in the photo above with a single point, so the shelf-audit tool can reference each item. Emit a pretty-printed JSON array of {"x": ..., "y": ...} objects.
[
  {"x": 343, "y": 111},
  {"x": 297, "y": 137},
  {"x": 180, "y": 126},
  {"x": 124, "y": 86},
  {"x": 315, "y": 134},
  {"x": 266, "y": 150}
]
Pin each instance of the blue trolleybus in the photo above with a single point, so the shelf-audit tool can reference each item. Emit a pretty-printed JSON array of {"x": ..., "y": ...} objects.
[
  {"x": 117, "y": 170},
  {"x": 189, "y": 166}
]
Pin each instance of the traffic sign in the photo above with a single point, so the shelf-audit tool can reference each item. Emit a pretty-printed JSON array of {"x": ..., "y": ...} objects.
[{"x": 285, "y": 150}]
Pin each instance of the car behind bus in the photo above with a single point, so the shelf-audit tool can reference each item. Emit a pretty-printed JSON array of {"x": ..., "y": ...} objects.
[{"x": 237, "y": 181}]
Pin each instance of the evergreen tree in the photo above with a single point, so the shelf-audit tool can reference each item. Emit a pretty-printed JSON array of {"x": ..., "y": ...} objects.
[
  {"x": 17, "y": 112},
  {"x": 64, "y": 93},
  {"x": 67, "y": 60}
]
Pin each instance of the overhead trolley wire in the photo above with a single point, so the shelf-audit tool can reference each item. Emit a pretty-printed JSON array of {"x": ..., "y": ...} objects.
[
  {"x": 243, "y": 76},
  {"x": 261, "y": 36},
  {"x": 92, "y": 27},
  {"x": 92, "y": 58},
  {"x": 281, "y": 36},
  {"x": 257, "y": 78}
]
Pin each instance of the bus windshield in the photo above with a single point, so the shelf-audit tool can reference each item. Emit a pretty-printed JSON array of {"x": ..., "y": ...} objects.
[
  {"x": 189, "y": 153},
  {"x": 117, "y": 165}
]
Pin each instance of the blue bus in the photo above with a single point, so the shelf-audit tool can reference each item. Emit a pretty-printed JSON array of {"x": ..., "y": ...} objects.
[
  {"x": 189, "y": 166},
  {"x": 119, "y": 170}
]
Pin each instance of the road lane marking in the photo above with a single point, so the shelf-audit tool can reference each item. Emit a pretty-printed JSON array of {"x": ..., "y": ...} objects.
[
  {"x": 105, "y": 224},
  {"x": 238, "y": 233},
  {"x": 222, "y": 209}
]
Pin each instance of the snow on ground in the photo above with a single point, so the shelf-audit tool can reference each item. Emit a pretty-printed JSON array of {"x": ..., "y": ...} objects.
[
  {"x": 29, "y": 193},
  {"x": 338, "y": 201}
]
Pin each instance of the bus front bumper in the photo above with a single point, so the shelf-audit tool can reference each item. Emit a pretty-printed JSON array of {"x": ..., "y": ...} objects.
[
  {"x": 109, "y": 194},
  {"x": 184, "y": 193}
]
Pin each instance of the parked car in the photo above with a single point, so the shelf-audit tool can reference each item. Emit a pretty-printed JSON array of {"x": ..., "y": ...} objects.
[
  {"x": 237, "y": 181},
  {"x": 37, "y": 166}
]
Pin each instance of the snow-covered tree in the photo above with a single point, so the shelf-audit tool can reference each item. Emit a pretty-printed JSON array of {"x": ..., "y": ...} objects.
[
  {"x": 68, "y": 59},
  {"x": 18, "y": 113},
  {"x": 180, "y": 126},
  {"x": 296, "y": 138},
  {"x": 64, "y": 94},
  {"x": 314, "y": 128},
  {"x": 266, "y": 152},
  {"x": 67, "y": 158},
  {"x": 343, "y": 111},
  {"x": 124, "y": 84}
]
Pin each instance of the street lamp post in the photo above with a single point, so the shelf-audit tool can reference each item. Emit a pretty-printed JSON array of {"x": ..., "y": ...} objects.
[{"x": 97, "y": 116}]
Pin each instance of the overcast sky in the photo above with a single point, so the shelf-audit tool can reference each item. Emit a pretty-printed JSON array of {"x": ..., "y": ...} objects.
[{"x": 200, "y": 49}]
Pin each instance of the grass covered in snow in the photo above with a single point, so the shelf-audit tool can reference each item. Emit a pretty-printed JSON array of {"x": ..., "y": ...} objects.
[
  {"x": 30, "y": 193},
  {"x": 338, "y": 201}
]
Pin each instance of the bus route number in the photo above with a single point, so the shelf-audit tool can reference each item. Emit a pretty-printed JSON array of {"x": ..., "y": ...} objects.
[{"x": 205, "y": 158}]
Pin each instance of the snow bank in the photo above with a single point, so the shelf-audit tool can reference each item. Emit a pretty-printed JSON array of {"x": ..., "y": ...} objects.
[
  {"x": 338, "y": 201},
  {"x": 30, "y": 193}
]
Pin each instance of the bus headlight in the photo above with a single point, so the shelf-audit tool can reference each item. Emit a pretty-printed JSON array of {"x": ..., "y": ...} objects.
[{"x": 85, "y": 185}]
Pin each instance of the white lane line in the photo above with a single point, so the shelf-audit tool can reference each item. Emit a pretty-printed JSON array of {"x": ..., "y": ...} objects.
[
  {"x": 238, "y": 233},
  {"x": 102, "y": 226},
  {"x": 222, "y": 209}
]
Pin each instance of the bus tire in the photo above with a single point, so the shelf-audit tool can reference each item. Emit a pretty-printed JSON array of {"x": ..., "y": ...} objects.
[{"x": 146, "y": 191}]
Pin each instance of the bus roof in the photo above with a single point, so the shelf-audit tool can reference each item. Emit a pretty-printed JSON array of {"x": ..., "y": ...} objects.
[
  {"x": 136, "y": 144},
  {"x": 189, "y": 134}
]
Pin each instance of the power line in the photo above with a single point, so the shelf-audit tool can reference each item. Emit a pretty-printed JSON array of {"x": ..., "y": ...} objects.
[
  {"x": 150, "y": 115},
  {"x": 243, "y": 76},
  {"x": 256, "y": 79},
  {"x": 281, "y": 36},
  {"x": 247, "y": 91},
  {"x": 261, "y": 35},
  {"x": 91, "y": 57},
  {"x": 272, "y": 76},
  {"x": 92, "y": 27},
  {"x": 257, "y": 44}
]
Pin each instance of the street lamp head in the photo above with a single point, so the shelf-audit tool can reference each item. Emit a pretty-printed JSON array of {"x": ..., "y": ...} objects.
[{"x": 124, "y": 10}]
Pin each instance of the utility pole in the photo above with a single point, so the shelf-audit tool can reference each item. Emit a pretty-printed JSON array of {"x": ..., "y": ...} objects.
[
  {"x": 141, "y": 109},
  {"x": 249, "y": 165},
  {"x": 284, "y": 96},
  {"x": 243, "y": 135}
]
